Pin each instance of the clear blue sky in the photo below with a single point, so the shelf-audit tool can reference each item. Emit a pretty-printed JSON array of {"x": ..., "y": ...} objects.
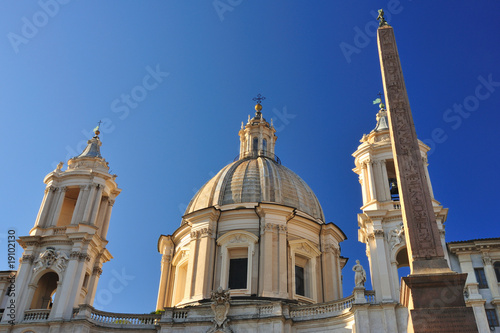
[{"x": 317, "y": 64}]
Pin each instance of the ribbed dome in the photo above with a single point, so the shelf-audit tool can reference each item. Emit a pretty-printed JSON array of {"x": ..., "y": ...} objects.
[{"x": 257, "y": 180}]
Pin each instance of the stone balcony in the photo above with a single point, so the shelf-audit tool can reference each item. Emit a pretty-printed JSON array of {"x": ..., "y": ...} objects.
[{"x": 201, "y": 316}]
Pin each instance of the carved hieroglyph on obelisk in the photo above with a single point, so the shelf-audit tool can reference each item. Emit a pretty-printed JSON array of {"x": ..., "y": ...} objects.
[
  {"x": 432, "y": 292},
  {"x": 425, "y": 251}
]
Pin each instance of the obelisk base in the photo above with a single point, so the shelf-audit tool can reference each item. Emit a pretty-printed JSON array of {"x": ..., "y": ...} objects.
[{"x": 436, "y": 303}]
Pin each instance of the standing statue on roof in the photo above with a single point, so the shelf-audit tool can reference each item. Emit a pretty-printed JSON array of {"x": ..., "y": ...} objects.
[
  {"x": 359, "y": 275},
  {"x": 381, "y": 18}
]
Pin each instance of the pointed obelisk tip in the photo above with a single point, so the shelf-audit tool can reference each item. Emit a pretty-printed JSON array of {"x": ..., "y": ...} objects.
[{"x": 381, "y": 18}]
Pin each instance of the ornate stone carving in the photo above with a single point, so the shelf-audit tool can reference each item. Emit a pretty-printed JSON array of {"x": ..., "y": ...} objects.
[
  {"x": 204, "y": 232},
  {"x": 282, "y": 228},
  {"x": 239, "y": 238},
  {"x": 487, "y": 260},
  {"x": 220, "y": 306},
  {"x": 51, "y": 258},
  {"x": 378, "y": 233},
  {"x": 359, "y": 275},
  {"x": 79, "y": 256},
  {"x": 396, "y": 236},
  {"x": 166, "y": 259},
  {"x": 28, "y": 258},
  {"x": 331, "y": 248},
  {"x": 269, "y": 227},
  {"x": 97, "y": 271}
]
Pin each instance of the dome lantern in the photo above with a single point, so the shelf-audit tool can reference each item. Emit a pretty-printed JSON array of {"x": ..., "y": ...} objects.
[{"x": 257, "y": 137}]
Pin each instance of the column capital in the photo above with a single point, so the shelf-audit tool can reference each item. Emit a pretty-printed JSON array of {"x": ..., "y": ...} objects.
[{"x": 487, "y": 259}]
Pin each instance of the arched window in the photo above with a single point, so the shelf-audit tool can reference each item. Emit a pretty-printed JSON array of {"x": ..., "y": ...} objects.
[
  {"x": 237, "y": 250},
  {"x": 255, "y": 146},
  {"x": 264, "y": 146},
  {"x": 403, "y": 263},
  {"x": 304, "y": 255},
  {"x": 180, "y": 262},
  {"x": 45, "y": 291}
]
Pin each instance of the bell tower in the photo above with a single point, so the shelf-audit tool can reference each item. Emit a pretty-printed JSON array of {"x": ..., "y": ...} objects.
[
  {"x": 65, "y": 250},
  {"x": 381, "y": 222}
]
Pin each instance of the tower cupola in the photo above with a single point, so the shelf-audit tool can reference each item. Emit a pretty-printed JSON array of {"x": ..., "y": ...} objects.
[
  {"x": 257, "y": 137},
  {"x": 91, "y": 157}
]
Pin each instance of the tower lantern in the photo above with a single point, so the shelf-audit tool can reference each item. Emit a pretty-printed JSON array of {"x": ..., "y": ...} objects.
[{"x": 257, "y": 137}]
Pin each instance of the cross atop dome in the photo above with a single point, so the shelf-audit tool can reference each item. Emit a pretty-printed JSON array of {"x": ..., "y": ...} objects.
[{"x": 258, "y": 106}]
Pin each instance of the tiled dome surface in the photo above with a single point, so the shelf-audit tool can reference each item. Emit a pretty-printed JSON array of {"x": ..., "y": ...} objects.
[{"x": 257, "y": 180}]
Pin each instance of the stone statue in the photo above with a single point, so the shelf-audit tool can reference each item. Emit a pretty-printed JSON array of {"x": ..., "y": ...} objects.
[
  {"x": 61, "y": 260},
  {"x": 396, "y": 236},
  {"x": 359, "y": 275},
  {"x": 59, "y": 166},
  {"x": 381, "y": 18},
  {"x": 220, "y": 306},
  {"x": 45, "y": 259}
]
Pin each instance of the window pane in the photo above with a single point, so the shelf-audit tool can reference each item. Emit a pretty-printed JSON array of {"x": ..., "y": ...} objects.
[
  {"x": 492, "y": 317},
  {"x": 238, "y": 269},
  {"x": 481, "y": 278},
  {"x": 497, "y": 270},
  {"x": 299, "y": 281}
]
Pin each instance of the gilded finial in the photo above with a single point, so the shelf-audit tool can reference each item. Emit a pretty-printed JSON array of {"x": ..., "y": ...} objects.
[
  {"x": 381, "y": 18},
  {"x": 96, "y": 129},
  {"x": 379, "y": 101},
  {"x": 258, "y": 99}
]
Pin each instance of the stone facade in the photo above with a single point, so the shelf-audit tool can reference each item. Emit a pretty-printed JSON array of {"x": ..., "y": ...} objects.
[{"x": 253, "y": 252}]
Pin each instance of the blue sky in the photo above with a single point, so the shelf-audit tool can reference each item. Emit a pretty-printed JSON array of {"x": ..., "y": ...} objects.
[{"x": 66, "y": 65}]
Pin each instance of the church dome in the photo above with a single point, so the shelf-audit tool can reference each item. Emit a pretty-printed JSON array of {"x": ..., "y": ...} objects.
[
  {"x": 257, "y": 175},
  {"x": 259, "y": 179}
]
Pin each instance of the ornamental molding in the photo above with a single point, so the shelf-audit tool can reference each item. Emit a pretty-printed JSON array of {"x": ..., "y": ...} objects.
[
  {"x": 180, "y": 257},
  {"x": 51, "y": 258},
  {"x": 304, "y": 247},
  {"x": 378, "y": 233},
  {"x": 282, "y": 228},
  {"x": 201, "y": 233},
  {"x": 80, "y": 256},
  {"x": 237, "y": 237}
]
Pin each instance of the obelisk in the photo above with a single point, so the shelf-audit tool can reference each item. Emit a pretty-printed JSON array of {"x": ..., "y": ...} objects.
[{"x": 432, "y": 292}]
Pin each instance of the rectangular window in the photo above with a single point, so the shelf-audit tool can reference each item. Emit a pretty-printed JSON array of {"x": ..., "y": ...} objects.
[
  {"x": 238, "y": 269},
  {"x": 299, "y": 281},
  {"x": 481, "y": 278},
  {"x": 497, "y": 270},
  {"x": 491, "y": 314}
]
